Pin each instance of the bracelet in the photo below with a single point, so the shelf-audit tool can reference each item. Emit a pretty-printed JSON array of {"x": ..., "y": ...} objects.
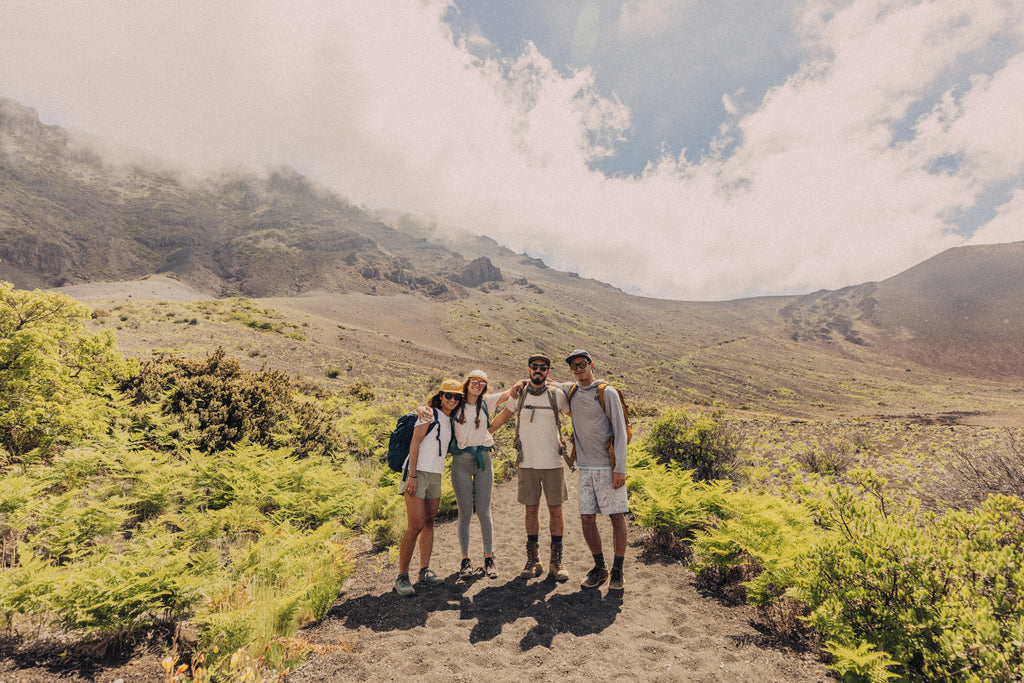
[{"x": 412, "y": 476}]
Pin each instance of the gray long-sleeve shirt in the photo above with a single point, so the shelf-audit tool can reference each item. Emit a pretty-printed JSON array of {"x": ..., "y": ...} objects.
[{"x": 593, "y": 426}]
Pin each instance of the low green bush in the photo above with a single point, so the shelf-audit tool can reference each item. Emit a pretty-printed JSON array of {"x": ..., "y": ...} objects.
[
  {"x": 921, "y": 597},
  {"x": 704, "y": 444}
]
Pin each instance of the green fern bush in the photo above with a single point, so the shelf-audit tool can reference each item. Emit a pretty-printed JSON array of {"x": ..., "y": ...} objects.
[
  {"x": 671, "y": 504},
  {"x": 924, "y": 597},
  {"x": 759, "y": 537}
]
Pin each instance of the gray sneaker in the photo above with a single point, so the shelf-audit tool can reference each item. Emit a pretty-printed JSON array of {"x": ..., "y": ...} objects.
[
  {"x": 595, "y": 577},
  {"x": 403, "y": 586},
  {"x": 429, "y": 577}
]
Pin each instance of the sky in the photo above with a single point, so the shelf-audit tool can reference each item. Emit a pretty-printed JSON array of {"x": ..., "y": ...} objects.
[{"x": 682, "y": 149}]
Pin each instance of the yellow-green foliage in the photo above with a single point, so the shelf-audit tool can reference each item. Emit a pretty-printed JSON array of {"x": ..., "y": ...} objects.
[
  {"x": 893, "y": 592},
  {"x": 940, "y": 595},
  {"x": 244, "y": 311},
  {"x": 765, "y": 533},
  {"x": 129, "y": 540},
  {"x": 51, "y": 373},
  {"x": 668, "y": 499}
]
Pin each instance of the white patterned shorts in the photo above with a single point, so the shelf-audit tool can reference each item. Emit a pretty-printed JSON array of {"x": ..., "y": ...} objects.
[{"x": 597, "y": 495}]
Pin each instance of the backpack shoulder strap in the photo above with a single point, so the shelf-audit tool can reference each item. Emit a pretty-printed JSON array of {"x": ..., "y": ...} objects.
[
  {"x": 554, "y": 406},
  {"x": 600, "y": 395},
  {"x": 572, "y": 390},
  {"x": 434, "y": 423}
]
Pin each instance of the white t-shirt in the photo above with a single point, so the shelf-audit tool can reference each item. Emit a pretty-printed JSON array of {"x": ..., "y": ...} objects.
[
  {"x": 467, "y": 434},
  {"x": 538, "y": 432},
  {"x": 431, "y": 455}
]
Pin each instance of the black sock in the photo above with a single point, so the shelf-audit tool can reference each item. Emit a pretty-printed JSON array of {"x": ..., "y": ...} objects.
[
  {"x": 599, "y": 560},
  {"x": 617, "y": 563},
  {"x": 556, "y": 540},
  {"x": 531, "y": 539}
]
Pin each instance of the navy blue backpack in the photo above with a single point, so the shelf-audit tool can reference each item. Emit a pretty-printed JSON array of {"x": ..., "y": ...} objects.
[{"x": 401, "y": 439}]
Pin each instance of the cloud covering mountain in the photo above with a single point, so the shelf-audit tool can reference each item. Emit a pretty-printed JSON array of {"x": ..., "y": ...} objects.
[{"x": 892, "y": 135}]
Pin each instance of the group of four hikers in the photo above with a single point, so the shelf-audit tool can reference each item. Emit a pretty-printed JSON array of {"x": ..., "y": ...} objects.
[{"x": 458, "y": 418}]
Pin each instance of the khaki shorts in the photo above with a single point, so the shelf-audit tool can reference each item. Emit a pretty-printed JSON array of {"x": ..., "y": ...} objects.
[
  {"x": 428, "y": 485},
  {"x": 551, "y": 482}
]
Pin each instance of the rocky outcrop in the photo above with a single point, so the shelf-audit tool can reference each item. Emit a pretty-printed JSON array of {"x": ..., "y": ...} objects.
[{"x": 478, "y": 272}]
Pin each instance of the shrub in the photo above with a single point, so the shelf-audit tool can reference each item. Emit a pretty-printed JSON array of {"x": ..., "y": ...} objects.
[
  {"x": 222, "y": 404},
  {"x": 924, "y": 598},
  {"x": 361, "y": 391},
  {"x": 704, "y": 444},
  {"x": 832, "y": 459},
  {"x": 52, "y": 373},
  {"x": 977, "y": 471}
]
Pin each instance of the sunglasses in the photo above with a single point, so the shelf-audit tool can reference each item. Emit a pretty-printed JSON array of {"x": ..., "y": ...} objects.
[
  {"x": 477, "y": 380},
  {"x": 538, "y": 366},
  {"x": 451, "y": 397},
  {"x": 579, "y": 364}
]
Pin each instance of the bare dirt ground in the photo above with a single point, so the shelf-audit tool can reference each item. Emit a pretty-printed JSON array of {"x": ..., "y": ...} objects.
[{"x": 662, "y": 627}]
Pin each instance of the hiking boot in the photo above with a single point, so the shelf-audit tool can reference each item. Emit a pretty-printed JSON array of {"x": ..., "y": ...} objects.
[
  {"x": 556, "y": 568},
  {"x": 430, "y": 578},
  {"x": 489, "y": 568},
  {"x": 595, "y": 577},
  {"x": 616, "y": 583},
  {"x": 533, "y": 566},
  {"x": 403, "y": 586},
  {"x": 466, "y": 570}
]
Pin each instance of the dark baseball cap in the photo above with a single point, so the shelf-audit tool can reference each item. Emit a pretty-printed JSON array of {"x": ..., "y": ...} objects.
[
  {"x": 579, "y": 353},
  {"x": 540, "y": 357}
]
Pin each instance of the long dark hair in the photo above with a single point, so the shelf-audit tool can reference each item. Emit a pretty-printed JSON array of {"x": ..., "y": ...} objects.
[
  {"x": 435, "y": 401},
  {"x": 461, "y": 409}
]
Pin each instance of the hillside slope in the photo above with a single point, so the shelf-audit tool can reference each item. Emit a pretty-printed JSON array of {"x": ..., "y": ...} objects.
[
  {"x": 383, "y": 298},
  {"x": 67, "y": 217},
  {"x": 961, "y": 312}
]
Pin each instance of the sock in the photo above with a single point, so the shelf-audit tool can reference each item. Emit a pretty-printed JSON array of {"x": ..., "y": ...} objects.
[
  {"x": 599, "y": 560},
  {"x": 531, "y": 539},
  {"x": 617, "y": 563},
  {"x": 556, "y": 540}
]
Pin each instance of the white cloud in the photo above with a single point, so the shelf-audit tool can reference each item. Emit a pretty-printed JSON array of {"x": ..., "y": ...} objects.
[
  {"x": 1006, "y": 226},
  {"x": 829, "y": 181}
]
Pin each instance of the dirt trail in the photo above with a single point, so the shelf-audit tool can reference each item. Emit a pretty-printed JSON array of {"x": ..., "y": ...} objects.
[{"x": 661, "y": 628}]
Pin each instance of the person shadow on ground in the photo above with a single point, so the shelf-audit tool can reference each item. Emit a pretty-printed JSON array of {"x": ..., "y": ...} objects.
[
  {"x": 579, "y": 613},
  {"x": 392, "y": 612}
]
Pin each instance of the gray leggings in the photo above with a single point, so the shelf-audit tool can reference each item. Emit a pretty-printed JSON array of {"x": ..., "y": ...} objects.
[{"x": 469, "y": 483}]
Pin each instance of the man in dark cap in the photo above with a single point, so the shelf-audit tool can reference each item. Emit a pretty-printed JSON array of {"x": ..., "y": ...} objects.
[
  {"x": 600, "y": 438},
  {"x": 540, "y": 451}
]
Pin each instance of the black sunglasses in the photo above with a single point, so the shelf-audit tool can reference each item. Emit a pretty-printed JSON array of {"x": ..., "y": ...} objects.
[
  {"x": 451, "y": 397},
  {"x": 538, "y": 366}
]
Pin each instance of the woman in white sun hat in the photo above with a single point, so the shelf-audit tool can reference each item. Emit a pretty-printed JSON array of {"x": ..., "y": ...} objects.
[{"x": 472, "y": 471}]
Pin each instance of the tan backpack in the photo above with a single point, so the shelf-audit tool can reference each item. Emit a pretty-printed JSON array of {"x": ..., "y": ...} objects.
[{"x": 610, "y": 444}]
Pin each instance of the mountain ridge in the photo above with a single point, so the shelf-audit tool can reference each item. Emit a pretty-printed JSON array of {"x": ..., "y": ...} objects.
[{"x": 896, "y": 345}]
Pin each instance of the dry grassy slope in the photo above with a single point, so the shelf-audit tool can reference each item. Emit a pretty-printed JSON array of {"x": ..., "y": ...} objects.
[
  {"x": 960, "y": 312},
  {"x": 737, "y": 356}
]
